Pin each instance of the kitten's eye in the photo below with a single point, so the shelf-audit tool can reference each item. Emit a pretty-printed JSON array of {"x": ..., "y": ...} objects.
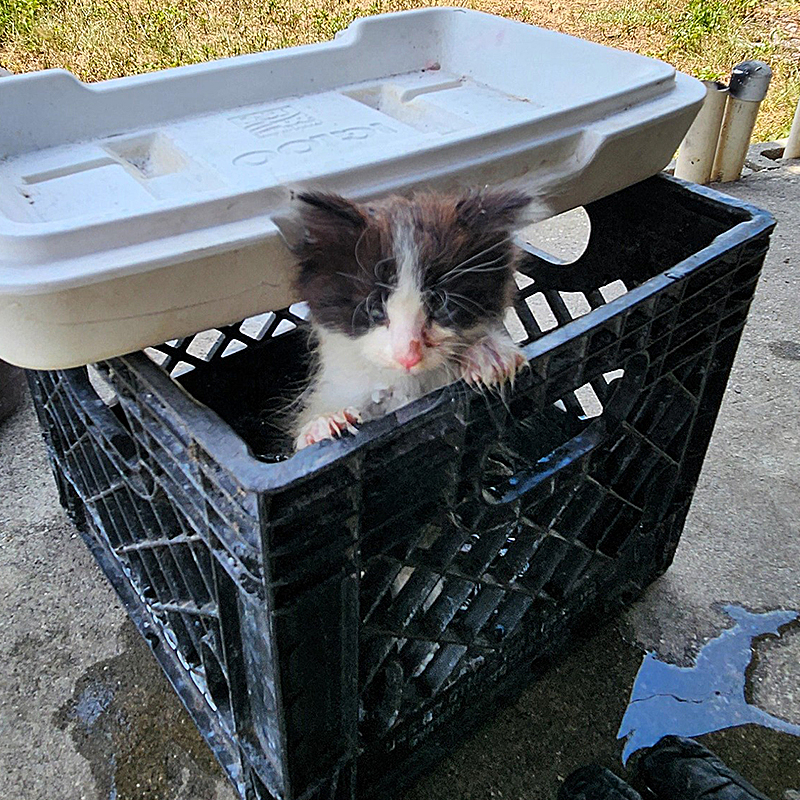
[
  {"x": 437, "y": 305},
  {"x": 384, "y": 270},
  {"x": 377, "y": 315}
]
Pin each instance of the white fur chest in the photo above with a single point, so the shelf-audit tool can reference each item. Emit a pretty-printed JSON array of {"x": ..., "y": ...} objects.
[{"x": 345, "y": 378}]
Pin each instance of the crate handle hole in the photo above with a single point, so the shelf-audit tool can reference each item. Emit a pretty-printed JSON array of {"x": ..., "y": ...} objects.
[
  {"x": 561, "y": 239},
  {"x": 508, "y": 476}
]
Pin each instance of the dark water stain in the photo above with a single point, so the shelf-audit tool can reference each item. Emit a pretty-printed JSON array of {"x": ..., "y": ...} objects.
[
  {"x": 708, "y": 696},
  {"x": 127, "y": 722},
  {"x": 786, "y": 349}
]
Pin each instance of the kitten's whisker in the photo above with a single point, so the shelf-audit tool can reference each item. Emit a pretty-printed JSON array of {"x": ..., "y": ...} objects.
[
  {"x": 459, "y": 267},
  {"x": 459, "y": 296},
  {"x": 355, "y": 251},
  {"x": 486, "y": 251},
  {"x": 455, "y": 345},
  {"x": 478, "y": 269},
  {"x": 457, "y": 300},
  {"x": 352, "y": 277},
  {"x": 483, "y": 252}
]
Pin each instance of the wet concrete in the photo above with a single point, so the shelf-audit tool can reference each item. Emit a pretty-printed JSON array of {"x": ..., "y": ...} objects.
[
  {"x": 787, "y": 349},
  {"x": 134, "y": 753},
  {"x": 773, "y": 676},
  {"x": 86, "y": 713},
  {"x": 571, "y": 717},
  {"x": 709, "y": 695}
]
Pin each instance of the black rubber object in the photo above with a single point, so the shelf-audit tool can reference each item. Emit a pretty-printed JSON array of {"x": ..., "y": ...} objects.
[
  {"x": 678, "y": 768},
  {"x": 596, "y": 783}
]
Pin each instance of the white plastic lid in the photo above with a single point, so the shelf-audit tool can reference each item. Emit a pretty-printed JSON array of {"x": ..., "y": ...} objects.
[{"x": 133, "y": 174}]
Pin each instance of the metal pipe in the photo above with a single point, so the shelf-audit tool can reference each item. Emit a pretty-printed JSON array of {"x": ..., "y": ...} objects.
[
  {"x": 792, "y": 149},
  {"x": 699, "y": 146},
  {"x": 748, "y": 87}
]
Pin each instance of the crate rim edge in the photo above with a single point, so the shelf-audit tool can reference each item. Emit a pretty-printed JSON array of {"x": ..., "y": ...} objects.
[{"x": 232, "y": 453}]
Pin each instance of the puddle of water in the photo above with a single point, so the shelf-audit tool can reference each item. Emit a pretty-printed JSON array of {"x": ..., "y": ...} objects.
[
  {"x": 127, "y": 722},
  {"x": 708, "y": 696}
]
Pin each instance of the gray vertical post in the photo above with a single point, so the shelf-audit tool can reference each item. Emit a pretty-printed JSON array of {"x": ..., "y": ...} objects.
[{"x": 748, "y": 87}]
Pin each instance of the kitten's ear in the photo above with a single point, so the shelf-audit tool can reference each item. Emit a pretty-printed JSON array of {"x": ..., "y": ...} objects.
[
  {"x": 321, "y": 222},
  {"x": 324, "y": 208},
  {"x": 498, "y": 209},
  {"x": 492, "y": 209}
]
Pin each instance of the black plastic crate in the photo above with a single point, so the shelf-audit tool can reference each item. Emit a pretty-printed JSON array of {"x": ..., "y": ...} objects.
[{"x": 336, "y": 621}]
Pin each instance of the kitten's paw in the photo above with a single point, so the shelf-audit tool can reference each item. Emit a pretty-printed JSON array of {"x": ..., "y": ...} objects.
[
  {"x": 491, "y": 362},
  {"x": 327, "y": 426}
]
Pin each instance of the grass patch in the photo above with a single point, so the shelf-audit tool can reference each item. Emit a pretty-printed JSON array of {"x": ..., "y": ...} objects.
[
  {"x": 101, "y": 39},
  {"x": 17, "y": 17},
  {"x": 702, "y": 19},
  {"x": 707, "y": 38}
]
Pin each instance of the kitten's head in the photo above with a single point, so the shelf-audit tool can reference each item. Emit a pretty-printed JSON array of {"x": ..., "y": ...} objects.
[{"x": 410, "y": 280}]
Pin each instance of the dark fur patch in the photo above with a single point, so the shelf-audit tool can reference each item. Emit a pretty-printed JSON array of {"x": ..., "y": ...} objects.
[
  {"x": 467, "y": 255},
  {"x": 347, "y": 267},
  {"x": 343, "y": 266}
]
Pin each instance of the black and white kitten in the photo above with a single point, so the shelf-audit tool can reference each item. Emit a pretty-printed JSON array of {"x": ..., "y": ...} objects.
[{"x": 406, "y": 296}]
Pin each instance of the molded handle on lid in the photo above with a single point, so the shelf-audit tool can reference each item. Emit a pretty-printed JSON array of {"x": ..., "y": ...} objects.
[{"x": 619, "y": 407}]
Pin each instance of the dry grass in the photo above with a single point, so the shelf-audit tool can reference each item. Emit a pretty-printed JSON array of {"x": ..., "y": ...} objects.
[{"x": 99, "y": 39}]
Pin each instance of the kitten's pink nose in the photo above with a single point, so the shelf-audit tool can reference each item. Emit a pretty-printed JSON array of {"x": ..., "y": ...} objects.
[{"x": 412, "y": 356}]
